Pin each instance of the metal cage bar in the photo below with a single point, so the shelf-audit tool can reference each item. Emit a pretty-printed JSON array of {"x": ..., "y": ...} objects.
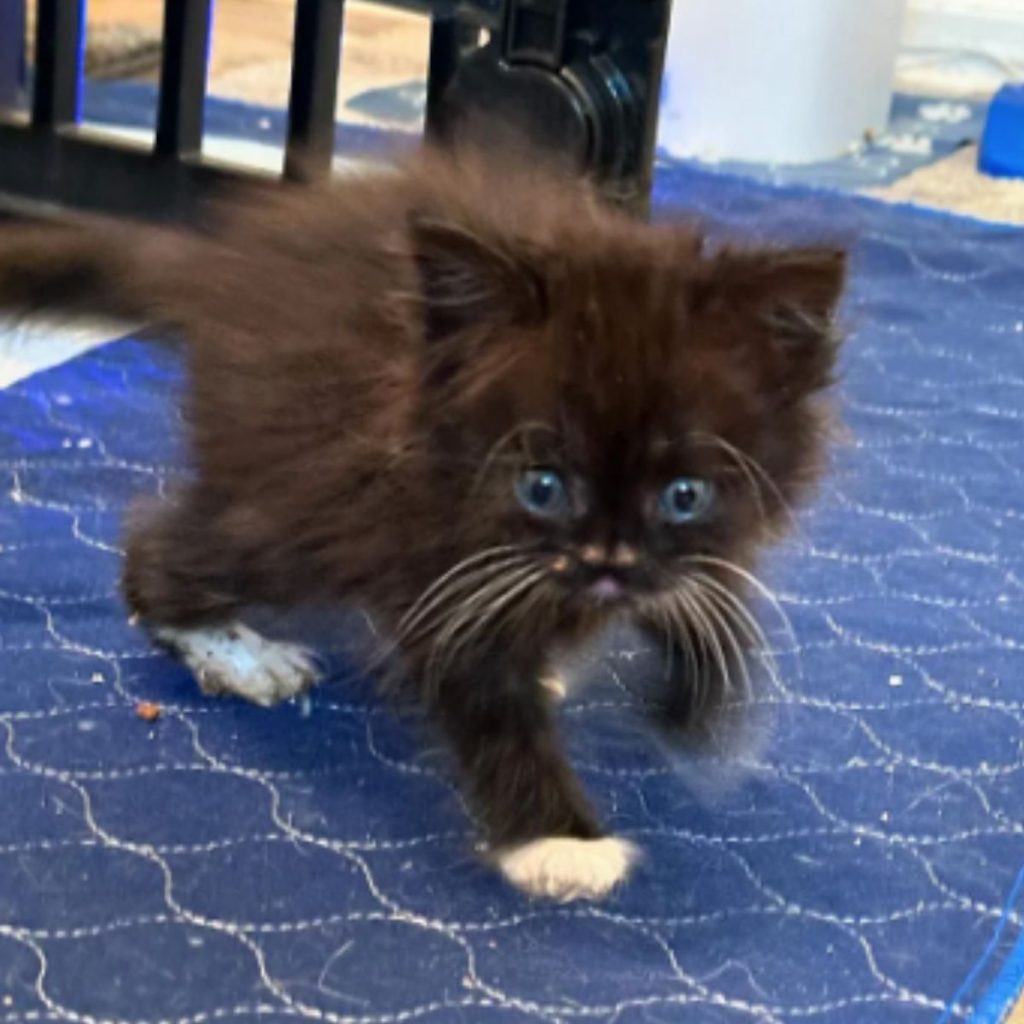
[
  {"x": 445, "y": 37},
  {"x": 316, "y": 61},
  {"x": 60, "y": 40},
  {"x": 12, "y": 53},
  {"x": 579, "y": 77},
  {"x": 179, "y": 124}
]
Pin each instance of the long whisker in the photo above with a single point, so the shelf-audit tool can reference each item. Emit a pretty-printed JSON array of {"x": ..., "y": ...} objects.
[
  {"x": 670, "y": 644},
  {"x": 750, "y": 626},
  {"x": 456, "y": 586},
  {"x": 499, "y": 610},
  {"x": 737, "y": 457},
  {"x": 424, "y": 612},
  {"x": 500, "y": 445},
  {"x": 753, "y": 581},
  {"x": 690, "y": 633},
  {"x": 725, "y": 618},
  {"x": 532, "y": 600},
  {"x": 453, "y": 571},
  {"x": 671, "y": 614},
  {"x": 697, "y": 611},
  {"x": 755, "y": 473},
  {"x": 687, "y": 631},
  {"x": 660, "y": 617},
  {"x": 514, "y": 590},
  {"x": 494, "y": 597},
  {"x": 478, "y": 598}
]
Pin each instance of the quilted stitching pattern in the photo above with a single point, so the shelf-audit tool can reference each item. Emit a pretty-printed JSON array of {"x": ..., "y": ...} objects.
[{"x": 225, "y": 863}]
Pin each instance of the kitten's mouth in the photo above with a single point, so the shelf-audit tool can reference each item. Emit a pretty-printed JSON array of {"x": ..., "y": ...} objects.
[
  {"x": 606, "y": 590},
  {"x": 605, "y": 587}
]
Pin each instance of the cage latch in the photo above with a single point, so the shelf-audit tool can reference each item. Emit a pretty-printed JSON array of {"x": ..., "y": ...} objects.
[{"x": 535, "y": 32}]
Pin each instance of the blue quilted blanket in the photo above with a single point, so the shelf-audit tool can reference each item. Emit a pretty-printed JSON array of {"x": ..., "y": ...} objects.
[{"x": 225, "y": 863}]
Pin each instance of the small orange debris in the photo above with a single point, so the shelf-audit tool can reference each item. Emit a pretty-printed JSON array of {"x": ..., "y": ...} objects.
[{"x": 147, "y": 711}]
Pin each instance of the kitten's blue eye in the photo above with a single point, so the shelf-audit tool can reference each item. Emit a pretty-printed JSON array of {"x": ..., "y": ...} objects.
[
  {"x": 685, "y": 500},
  {"x": 542, "y": 493}
]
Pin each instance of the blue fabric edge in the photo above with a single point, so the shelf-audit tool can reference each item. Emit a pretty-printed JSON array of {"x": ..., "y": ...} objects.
[
  {"x": 999, "y": 997},
  {"x": 1002, "y": 995}
]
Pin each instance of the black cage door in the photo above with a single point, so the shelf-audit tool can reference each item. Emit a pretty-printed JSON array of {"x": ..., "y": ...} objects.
[{"x": 578, "y": 78}]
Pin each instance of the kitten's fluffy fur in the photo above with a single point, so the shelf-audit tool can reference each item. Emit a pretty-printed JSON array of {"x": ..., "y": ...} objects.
[{"x": 373, "y": 369}]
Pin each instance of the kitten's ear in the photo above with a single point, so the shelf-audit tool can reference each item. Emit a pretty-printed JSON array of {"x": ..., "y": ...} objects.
[
  {"x": 467, "y": 282},
  {"x": 791, "y": 294}
]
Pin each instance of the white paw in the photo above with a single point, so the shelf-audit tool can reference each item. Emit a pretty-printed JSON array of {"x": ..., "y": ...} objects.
[
  {"x": 237, "y": 660},
  {"x": 567, "y": 869}
]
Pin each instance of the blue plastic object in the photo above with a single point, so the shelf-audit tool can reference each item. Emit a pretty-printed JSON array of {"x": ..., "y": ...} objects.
[{"x": 1002, "y": 144}]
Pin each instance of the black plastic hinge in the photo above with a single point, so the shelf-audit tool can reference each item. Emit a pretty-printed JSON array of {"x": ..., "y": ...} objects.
[{"x": 535, "y": 32}]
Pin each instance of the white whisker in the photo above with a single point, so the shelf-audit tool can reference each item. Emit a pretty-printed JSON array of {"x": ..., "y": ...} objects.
[
  {"x": 456, "y": 586},
  {"x": 424, "y": 612},
  {"x": 748, "y": 577},
  {"x": 466, "y": 563},
  {"x": 499, "y": 445},
  {"x": 755, "y": 473},
  {"x": 670, "y": 643},
  {"x": 724, "y": 617},
  {"x": 489, "y": 589},
  {"x": 497, "y": 607},
  {"x": 697, "y": 612},
  {"x": 750, "y": 626},
  {"x": 498, "y": 593}
]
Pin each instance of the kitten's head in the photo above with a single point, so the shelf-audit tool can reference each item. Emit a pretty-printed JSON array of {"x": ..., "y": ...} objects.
[{"x": 622, "y": 407}]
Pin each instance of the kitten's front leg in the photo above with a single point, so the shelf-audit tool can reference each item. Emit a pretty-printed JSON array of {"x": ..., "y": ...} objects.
[
  {"x": 186, "y": 585},
  {"x": 543, "y": 835}
]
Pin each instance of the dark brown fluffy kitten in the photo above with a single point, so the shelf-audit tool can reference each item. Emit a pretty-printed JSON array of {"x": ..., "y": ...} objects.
[{"x": 491, "y": 411}]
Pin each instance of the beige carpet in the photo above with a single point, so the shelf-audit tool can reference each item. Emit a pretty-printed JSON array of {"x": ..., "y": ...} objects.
[
  {"x": 250, "y": 58},
  {"x": 381, "y": 47},
  {"x": 955, "y": 184},
  {"x": 1017, "y": 1017}
]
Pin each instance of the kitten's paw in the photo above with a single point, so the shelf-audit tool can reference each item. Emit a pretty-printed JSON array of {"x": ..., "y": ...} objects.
[
  {"x": 237, "y": 660},
  {"x": 564, "y": 869}
]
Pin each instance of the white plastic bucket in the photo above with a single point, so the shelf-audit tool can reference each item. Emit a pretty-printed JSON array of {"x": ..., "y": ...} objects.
[{"x": 777, "y": 81}]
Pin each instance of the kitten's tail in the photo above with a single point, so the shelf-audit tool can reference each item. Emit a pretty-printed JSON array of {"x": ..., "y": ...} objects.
[{"x": 89, "y": 267}]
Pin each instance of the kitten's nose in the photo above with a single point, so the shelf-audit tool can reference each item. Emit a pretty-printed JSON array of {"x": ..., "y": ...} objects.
[
  {"x": 607, "y": 569},
  {"x": 616, "y": 556}
]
